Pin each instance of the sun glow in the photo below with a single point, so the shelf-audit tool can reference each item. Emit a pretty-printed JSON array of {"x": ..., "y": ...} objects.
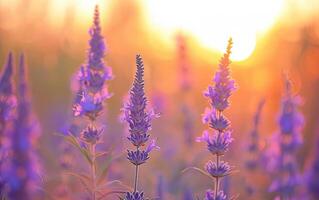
[
  {"x": 82, "y": 10},
  {"x": 212, "y": 22}
]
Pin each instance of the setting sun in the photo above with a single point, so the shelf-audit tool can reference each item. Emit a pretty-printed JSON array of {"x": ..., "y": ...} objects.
[{"x": 212, "y": 22}]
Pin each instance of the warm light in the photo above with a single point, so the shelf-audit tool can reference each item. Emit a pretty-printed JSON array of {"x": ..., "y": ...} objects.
[
  {"x": 82, "y": 10},
  {"x": 212, "y": 22}
]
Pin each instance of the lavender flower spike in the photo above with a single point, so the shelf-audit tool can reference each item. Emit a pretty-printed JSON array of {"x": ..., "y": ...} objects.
[
  {"x": 139, "y": 121},
  {"x": 218, "y": 144},
  {"x": 23, "y": 170},
  {"x": 91, "y": 94},
  {"x": 7, "y": 98},
  {"x": 286, "y": 175},
  {"x": 7, "y": 106}
]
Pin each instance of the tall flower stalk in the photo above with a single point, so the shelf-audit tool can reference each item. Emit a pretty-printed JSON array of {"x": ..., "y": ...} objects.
[
  {"x": 289, "y": 139},
  {"x": 92, "y": 93},
  {"x": 219, "y": 142},
  {"x": 139, "y": 120},
  {"x": 7, "y": 108},
  {"x": 23, "y": 166}
]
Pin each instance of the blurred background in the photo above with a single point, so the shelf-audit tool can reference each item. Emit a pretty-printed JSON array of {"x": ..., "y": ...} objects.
[{"x": 181, "y": 43}]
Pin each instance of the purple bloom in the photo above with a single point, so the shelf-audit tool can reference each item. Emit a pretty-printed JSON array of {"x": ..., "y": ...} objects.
[
  {"x": 7, "y": 98},
  {"x": 134, "y": 196},
  {"x": 92, "y": 76},
  {"x": 284, "y": 164},
  {"x": 224, "y": 85},
  {"x": 218, "y": 170},
  {"x": 136, "y": 115},
  {"x": 210, "y": 195},
  {"x": 7, "y": 106},
  {"x": 218, "y": 144},
  {"x": 91, "y": 135},
  {"x": 22, "y": 172},
  {"x": 91, "y": 93},
  {"x": 139, "y": 121}
]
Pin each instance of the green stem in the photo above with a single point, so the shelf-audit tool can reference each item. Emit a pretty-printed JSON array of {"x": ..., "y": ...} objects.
[
  {"x": 93, "y": 171},
  {"x": 136, "y": 176}
]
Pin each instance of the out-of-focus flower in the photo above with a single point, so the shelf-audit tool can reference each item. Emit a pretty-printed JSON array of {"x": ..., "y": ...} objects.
[
  {"x": 23, "y": 166},
  {"x": 210, "y": 195},
  {"x": 7, "y": 106},
  {"x": 284, "y": 167},
  {"x": 91, "y": 135}
]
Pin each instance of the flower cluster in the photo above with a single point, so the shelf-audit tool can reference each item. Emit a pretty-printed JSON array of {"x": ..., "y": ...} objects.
[
  {"x": 218, "y": 144},
  {"x": 91, "y": 93},
  {"x": 139, "y": 120},
  {"x": 7, "y": 106},
  {"x": 23, "y": 168},
  {"x": 285, "y": 170},
  {"x": 92, "y": 89}
]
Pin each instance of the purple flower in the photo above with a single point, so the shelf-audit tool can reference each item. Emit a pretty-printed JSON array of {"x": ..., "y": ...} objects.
[
  {"x": 218, "y": 170},
  {"x": 136, "y": 115},
  {"x": 7, "y": 98},
  {"x": 210, "y": 195},
  {"x": 92, "y": 76},
  {"x": 284, "y": 169},
  {"x": 134, "y": 196},
  {"x": 91, "y": 135},
  {"x": 218, "y": 144},
  {"x": 139, "y": 157},
  {"x": 23, "y": 170},
  {"x": 224, "y": 85},
  {"x": 7, "y": 106},
  {"x": 139, "y": 120},
  {"x": 89, "y": 105},
  {"x": 217, "y": 122}
]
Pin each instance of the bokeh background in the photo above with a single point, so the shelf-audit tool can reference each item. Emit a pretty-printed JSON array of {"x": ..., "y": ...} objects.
[{"x": 270, "y": 37}]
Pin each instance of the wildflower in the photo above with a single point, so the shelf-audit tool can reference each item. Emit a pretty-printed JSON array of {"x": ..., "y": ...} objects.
[
  {"x": 22, "y": 173},
  {"x": 218, "y": 144},
  {"x": 90, "y": 96},
  {"x": 91, "y": 135},
  {"x": 7, "y": 98},
  {"x": 7, "y": 106},
  {"x": 210, "y": 195},
  {"x": 285, "y": 169},
  {"x": 139, "y": 120},
  {"x": 218, "y": 170},
  {"x": 134, "y": 196}
]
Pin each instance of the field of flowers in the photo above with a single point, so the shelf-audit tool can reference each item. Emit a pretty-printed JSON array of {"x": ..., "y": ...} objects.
[{"x": 99, "y": 102}]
